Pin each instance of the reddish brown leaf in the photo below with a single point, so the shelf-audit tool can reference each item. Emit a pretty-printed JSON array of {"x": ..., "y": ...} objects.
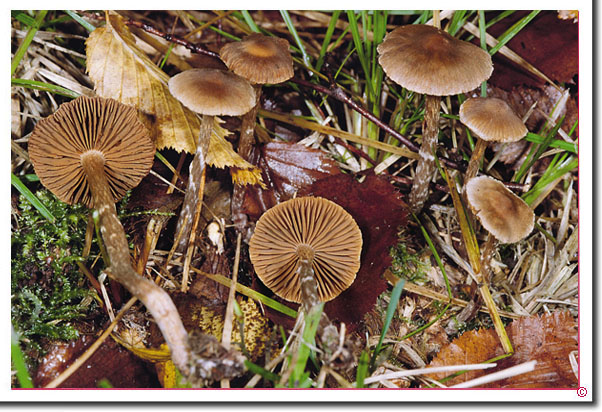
[
  {"x": 547, "y": 42},
  {"x": 111, "y": 361},
  {"x": 379, "y": 211},
  {"x": 548, "y": 339},
  {"x": 286, "y": 168}
]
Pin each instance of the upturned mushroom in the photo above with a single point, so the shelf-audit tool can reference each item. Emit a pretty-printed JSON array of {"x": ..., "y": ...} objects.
[
  {"x": 427, "y": 60},
  {"x": 259, "y": 59},
  {"x": 492, "y": 120},
  {"x": 306, "y": 250},
  {"x": 503, "y": 214},
  {"x": 91, "y": 151},
  {"x": 210, "y": 93}
]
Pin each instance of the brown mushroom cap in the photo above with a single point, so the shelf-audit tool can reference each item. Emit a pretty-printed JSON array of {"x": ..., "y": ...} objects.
[
  {"x": 492, "y": 119},
  {"x": 260, "y": 59},
  {"x": 300, "y": 225},
  {"x": 82, "y": 126},
  {"x": 213, "y": 92},
  {"x": 506, "y": 216},
  {"x": 428, "y": 60}
]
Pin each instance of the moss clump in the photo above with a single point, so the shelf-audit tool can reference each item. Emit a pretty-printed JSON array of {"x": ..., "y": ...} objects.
[
  {"x": 47, "y": 290},
  {"x": 408, "y": 265}
]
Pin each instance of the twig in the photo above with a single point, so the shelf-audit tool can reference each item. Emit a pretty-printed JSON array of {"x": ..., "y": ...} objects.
[
  {"x": 424, "y": 371},
  {"x": 496, "y": 376}
]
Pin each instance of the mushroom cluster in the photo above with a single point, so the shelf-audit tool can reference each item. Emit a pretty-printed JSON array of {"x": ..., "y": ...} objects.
[{"x": 427, "y": 60}]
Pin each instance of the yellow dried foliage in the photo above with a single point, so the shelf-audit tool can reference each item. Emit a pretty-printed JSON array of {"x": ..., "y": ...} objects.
[
  {"x": 122, "y": 71},
  {"x": 256, "y": 328}
]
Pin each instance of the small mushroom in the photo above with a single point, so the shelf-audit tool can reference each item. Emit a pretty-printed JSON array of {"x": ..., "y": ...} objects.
[
  {"x": 91, "y": 151},
  {"x": 505, "y": 215},
  {"x": 259, "y": 59},
  {"x": 306, "y": 250},
  {"x": 209, "y": 92},
  {"x": 492, "y": 120},
  {"x": 427, "y": 60}
]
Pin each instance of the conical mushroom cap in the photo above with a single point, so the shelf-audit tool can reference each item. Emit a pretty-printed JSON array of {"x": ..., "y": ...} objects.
[
  {"x": 325, "y": 227},
  {"x": 213, "y": 92},
  {"x": 90, "y": 124},
  {"x": 492, "y": 119},
  {"x": 428, "y": 60},
  {"x": 259, "y": 59},
  {"x": 506, "y": 216}
]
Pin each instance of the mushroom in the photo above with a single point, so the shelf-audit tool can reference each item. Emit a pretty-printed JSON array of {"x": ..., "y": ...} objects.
[
  {"x": 259, "y": 59},
  {"x": 209, "y": 92},
  {"x": 503, "y": 214},
  {"x": 91, "y": 151},
  {"x": 306, "y": 250},
  {"x": 492, "y": 120},
  {"x": 427, "y": 60}
]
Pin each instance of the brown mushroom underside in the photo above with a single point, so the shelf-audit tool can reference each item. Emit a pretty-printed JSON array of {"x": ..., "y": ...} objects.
[{"x": 307, "y": 228}]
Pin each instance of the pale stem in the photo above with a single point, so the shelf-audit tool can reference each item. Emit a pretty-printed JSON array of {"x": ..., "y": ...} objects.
[
  {"x": 156, "y": 299},
  {"x": 194, "y": 191},
  {"x": 245, "y": 144},
  {"x": 425, "y": 168},
  {"x": 475, "y": 160}
]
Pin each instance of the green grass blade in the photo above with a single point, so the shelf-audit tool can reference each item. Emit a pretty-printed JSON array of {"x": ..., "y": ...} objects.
[
  {"x": 18, "y": 361},
  {"x": 85, "y": 24},
  {"x": 327, "y": 38},
  {"x": 46, "y": 87},
  {"x": 551, "y": 174},
  {"x": 513, "y": 31},
  {"x": 557, "y": 143},
  {"x": 249, "y": 20},
  {"x": 299, "y": 377},
  {"x": 264, "y": 373},
  {"x": 33, "y": 199},
  {"x": 391, "y": 309},
  {"x": 362, "y": 369},
  {"x": 33, "y": 29},
  {"x": 537, "y": 151},
  {"x": 482, "y": 35},
  {"x": 293, "y": 31}
]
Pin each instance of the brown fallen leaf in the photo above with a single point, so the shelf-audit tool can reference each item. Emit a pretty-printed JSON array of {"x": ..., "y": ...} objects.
[
  {"x": 111, "y": 361},
  {"x": 286, "y": 169},
  {"x": 547, "y": 42},
  {"x": 122, "y": 71},
  {"x": 549, "y": 339}
]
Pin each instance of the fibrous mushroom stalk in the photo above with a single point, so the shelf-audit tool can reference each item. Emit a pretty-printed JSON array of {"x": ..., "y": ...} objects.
[
  {"x": 156, "y": 299},
  {"x": 426, "y": 163},
  {"x": 194, "y": 189}
]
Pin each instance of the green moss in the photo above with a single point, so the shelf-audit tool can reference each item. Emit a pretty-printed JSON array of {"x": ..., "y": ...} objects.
[
  {"x": 408, "y": 265},
  {"x": 47, "y": 290}
]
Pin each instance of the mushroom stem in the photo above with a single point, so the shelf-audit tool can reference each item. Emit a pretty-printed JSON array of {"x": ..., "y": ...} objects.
[
  {"x": 245, "y": 144},
  {"x": 426, "y": 163},
  {"x": 156, "y": 299},
  {"x": 475, "y": 159},
  {"x": 194, "y": 191},
  {"x": 247, "y": 128}
]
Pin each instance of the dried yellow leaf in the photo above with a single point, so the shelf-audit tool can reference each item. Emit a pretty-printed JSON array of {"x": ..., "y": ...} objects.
[{"x": 122, "y": 71}]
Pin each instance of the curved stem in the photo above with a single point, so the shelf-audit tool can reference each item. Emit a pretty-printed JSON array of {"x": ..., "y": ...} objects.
[
  {"x": 426, "y": 163},
  {"x": 156, "y": 299},
  {"x": 475, "y": 160},
  {"x": 194, "y": 190}
]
